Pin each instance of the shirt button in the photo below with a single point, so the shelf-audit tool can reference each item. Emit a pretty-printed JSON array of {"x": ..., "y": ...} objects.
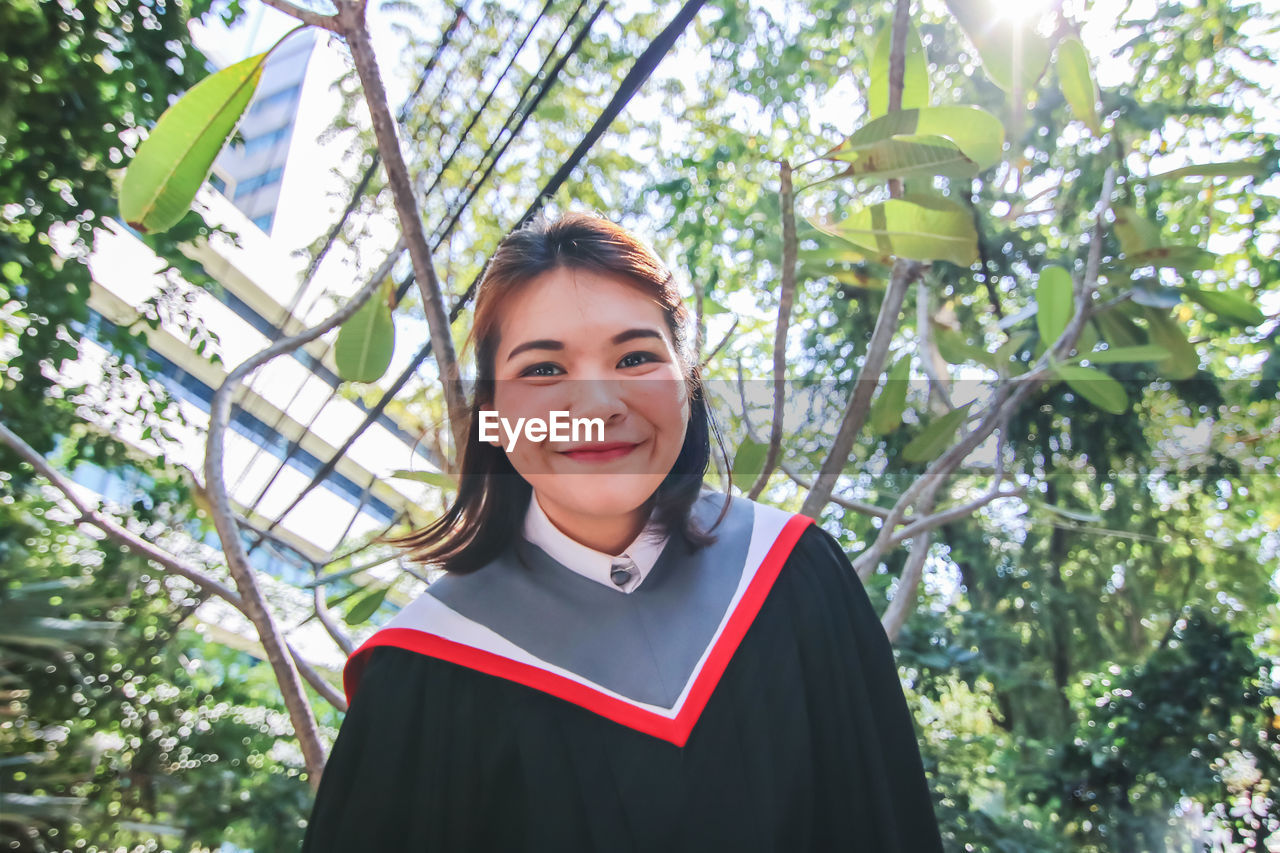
[{"x": 623, "y": 571}]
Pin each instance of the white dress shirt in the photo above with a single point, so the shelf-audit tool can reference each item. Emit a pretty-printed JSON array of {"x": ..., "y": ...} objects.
[{"x": 642, "y": 552}]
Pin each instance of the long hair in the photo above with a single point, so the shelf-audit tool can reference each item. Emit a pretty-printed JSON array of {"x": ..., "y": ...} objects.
[{"x": 488, "y": 512}]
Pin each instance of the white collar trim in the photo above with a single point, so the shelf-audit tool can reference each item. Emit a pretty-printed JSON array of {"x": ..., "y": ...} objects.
[{"x": 588, "y": 562}]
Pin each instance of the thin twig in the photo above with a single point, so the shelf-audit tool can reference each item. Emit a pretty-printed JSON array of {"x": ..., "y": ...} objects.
[
  {"x": 315, "y": 19},
  {"x": 855, "y": 413},
  {"x": 355, "y": 31},
  {"x": 786, "y": 296}
]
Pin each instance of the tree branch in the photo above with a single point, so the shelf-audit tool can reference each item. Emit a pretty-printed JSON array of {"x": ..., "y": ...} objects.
[
  {"x": 140, "y": 546},
  {"x": 254, "y": 605},
  {"x": 1006, "y": 400},
  {"x": 855, "y": 414},
  {"x": 354, "y": 30},
  {"x": 724, "y": 340},
  {"x": 932, "y": 361},
  {"x": 315, "y": 19},
  {"x": 786, "y": 296},
  {"x": 904, "y": 599},
  {"x": 322, "y": 613}
]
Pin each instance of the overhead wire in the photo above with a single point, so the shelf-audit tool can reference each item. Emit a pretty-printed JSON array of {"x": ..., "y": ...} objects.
[{"x": 361, "y": 186}]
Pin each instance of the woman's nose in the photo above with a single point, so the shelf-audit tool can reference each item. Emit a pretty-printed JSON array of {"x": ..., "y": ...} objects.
[{"x": 597, "y": 398}]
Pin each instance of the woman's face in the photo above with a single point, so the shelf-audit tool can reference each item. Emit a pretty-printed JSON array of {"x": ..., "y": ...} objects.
[{"x": 590, "y": 345}]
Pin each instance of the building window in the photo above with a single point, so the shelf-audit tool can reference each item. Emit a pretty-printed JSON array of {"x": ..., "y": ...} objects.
[
  {"x": 264, "y": 222},
  {"x": 266, "y": 140},
  {"x": 217, "y": 183},
  {"x": 257, "y": 182},
  {"x": 275, "y": 98}
]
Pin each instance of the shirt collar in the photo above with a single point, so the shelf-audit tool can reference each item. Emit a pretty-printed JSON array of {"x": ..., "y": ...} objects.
[{"x": 588, "y": 562}]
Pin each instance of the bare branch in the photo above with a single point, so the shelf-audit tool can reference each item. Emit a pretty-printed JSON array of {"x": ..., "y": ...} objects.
[
  {"x": 349, "y": 307},
  {"x": 904, "y": 599},
  {"x": 954, "y": 513},
  {"x": 855, "y": 414},
  {"x": 860, "y": 507},
  {"x": 934, "y": 365},
  {"x": 116, "y": 531},
  {"x": 353, "y": 28},
  {"x": 898, "y": 70},
  {"x": 331, "y": 695},
  {"x": 724, "y": 340},
  {"x": 898, "y": 54},
  {"x": 140, "y": 546},
  {"x": 786, "y": 296},
  {"x": 322, "y": 613},
  {"x": 315, "y": 19}
]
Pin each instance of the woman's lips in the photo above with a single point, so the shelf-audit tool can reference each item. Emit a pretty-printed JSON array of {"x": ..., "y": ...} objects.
[{"x": 601, "y": 452}]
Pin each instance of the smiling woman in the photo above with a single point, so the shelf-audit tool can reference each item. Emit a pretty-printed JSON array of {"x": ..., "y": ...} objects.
[{"x": 618, "y": 657}]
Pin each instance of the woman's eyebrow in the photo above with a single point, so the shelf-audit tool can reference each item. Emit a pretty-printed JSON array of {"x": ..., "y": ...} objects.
[
  {"x": 548, "y": 343},
  {"x": 541, "y": 343},
  {"x": 630, "y": 334}
]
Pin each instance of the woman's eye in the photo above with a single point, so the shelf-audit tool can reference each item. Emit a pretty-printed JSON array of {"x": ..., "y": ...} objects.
[
  {"x": 543, "y": 369},
  {"x": 632, "y": 359}
]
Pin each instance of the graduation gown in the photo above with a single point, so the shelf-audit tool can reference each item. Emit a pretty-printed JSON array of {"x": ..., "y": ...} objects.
[{"x": 744, "y": 697}]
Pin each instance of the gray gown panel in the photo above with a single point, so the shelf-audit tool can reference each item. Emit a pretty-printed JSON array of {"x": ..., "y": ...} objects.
[{"x": 644, "y": 644}]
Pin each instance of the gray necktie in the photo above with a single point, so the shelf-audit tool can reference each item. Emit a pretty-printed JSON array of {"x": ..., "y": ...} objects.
[{"x": 623, "y": 570}]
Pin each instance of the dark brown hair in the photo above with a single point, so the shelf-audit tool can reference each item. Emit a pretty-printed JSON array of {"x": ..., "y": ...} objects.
[{"x": 493, "y": 498}]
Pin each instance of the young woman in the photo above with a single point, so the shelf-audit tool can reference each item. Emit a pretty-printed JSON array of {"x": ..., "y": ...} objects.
[{"x": 618, "y": 658}]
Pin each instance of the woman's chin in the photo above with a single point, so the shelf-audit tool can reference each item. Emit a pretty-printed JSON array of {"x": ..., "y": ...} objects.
[{"x": 602, "y": 494}]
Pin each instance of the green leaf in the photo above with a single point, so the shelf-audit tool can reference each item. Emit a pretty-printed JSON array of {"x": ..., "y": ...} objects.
[
  {"x": 1078, "y": 86},
  {"x": 922, "y": 228},
  {"x": 1123, "y": 355},
  {"x": 748, "y": 462},
  {"x": 1175, "y": 257},
  {"x": 1009, "y": 46},
  {"x": 1053, "y": 303},
  {"x": 1234, "y": 169},
  {"x": 886, "y": 411},
  {"x": 915, "y": 77},
  {"x": 976, "y": 132},
  {"x": 955, "y": 349},
  {"x": 711, "y": 307},
  {"x": 936, "y": 436},
  {"x": 904, "y": 156},
  {"x": 1099, "y": 388},
  {"x": 1228, "y": 306},
  {"x": 366, "y": 606},
  {"x": 174, "y": 160},
  {"x": 1074, "y": 515},
  {"x": 1010, "y": 348},
  {"x": 431, "y": 478},
  {"x": 1117, "y": 330},
  {"x": 1183, "y": 361},
  {"x": 367, "y": 340},
  {"x": 1135, "y": 233}
]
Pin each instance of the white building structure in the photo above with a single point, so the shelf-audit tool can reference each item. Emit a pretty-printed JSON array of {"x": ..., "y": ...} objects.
[{"x": 279, "y": 191}]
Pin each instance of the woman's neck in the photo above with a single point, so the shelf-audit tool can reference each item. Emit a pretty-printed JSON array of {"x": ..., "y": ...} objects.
[{"x": 608, "y": 534}]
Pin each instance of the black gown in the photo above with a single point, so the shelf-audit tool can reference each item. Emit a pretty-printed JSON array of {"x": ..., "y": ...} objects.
[{"x": 777, "y": 724}]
